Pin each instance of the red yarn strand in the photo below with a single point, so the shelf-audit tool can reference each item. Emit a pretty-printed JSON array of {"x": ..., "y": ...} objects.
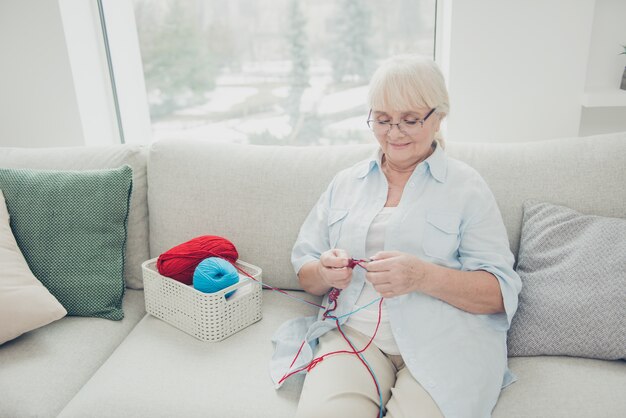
[{"x": 319, "y": 359}]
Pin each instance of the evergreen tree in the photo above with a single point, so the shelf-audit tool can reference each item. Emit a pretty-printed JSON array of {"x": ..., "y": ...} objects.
[
  {"x": 351, "y": 55},
  {"x": 299, "y": 54},
  {"x": 176, "y": 58}
]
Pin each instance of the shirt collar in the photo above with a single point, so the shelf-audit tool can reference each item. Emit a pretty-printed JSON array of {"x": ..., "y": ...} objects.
[
  {"x": 436, "y": 163},
  {"x": 374, "y": 159}
]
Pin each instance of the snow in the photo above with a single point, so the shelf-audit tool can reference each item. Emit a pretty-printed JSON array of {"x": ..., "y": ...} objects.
[
  {"x": 277, "y": 125},
  {"x": 281, "y": 92},
  {"x": 215, "y": 132},
  {"x": 343, "y": 100},
  {"x": 232, "y": 130},
  {"x": 356, "y": 123},
  {"x": 234, "y": 89},
  {"x": 222, "y": 99}
]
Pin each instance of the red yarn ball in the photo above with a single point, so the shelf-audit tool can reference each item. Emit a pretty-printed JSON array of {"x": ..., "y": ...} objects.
[{"x": 180, "y": 262}]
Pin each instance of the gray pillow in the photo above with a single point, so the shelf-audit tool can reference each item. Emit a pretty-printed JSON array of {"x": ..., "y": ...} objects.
[{"x": 573, "y": 298}]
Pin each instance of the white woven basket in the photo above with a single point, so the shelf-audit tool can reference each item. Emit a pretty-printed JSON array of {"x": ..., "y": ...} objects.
[{"x": 206, "y": 316}]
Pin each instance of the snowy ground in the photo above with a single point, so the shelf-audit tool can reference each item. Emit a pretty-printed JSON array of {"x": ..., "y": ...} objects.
[{"x": 341, "y": 113}]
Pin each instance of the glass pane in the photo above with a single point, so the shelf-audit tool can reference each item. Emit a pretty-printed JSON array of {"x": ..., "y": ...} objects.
[{"x": 271, "y": 71}]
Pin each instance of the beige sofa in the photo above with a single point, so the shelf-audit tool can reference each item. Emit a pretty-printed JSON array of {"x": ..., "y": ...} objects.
[{"x": 257, "y": 197}]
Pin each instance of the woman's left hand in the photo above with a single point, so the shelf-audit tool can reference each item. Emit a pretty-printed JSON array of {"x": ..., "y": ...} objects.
[{"x": 394, "y": 273}]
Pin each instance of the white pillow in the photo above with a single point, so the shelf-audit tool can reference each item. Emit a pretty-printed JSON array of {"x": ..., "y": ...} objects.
[{"x": 25, "y": 304}]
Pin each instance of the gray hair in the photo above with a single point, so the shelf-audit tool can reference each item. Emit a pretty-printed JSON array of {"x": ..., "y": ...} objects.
[{"x": 408, "y": 82}]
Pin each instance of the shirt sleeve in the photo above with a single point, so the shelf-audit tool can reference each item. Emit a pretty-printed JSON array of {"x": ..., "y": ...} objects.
[
  {"x": 484, "y": 246},
  {"x": 313, "y": 237}
]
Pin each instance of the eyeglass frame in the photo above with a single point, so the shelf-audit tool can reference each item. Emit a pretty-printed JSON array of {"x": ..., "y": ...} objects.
[{"x": 421, "y": 122}]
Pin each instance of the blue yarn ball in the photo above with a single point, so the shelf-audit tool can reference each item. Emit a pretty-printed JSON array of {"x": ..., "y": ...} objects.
[{"x": 214, "y": 274}]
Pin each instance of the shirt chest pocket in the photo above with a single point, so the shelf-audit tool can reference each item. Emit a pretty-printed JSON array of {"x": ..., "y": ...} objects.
[
  {"x": 441, "y": 235},
  {"x": 336, "y": 217}
]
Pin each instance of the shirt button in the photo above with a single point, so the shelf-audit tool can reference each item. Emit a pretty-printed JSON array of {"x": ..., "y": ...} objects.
[{"x": 398, "y": 330}]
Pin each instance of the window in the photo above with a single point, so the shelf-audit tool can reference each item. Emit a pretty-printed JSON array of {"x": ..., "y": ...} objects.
[{"x": 289, "y": 72}]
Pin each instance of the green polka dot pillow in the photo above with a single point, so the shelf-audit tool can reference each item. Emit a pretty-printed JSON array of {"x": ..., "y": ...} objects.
[{"x": 71, "y": 228}]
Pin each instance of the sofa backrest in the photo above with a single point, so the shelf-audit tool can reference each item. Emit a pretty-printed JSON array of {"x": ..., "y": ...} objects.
[
  {"x": 258, "y": 196},
  {"x": 255, "y": 196},
  {"x": 586, "y": 174},
  {"x": 92, "y": 158}
]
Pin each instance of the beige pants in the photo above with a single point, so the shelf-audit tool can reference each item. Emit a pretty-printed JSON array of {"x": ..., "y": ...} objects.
[{"x": 341, "y": 386}]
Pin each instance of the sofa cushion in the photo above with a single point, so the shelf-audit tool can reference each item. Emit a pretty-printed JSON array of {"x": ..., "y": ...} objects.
[
  {"x": 179, "y": 375},
  {"x": 564, "y": 387},
  {"x": 255, "y": 196},
  {"x": 43, "y": 369},
  {"x": 573, "y": 299},
  {"x": 71, "y": 228},
  {"x": 25, "y": 304},
  {"x": 91, "y": 158}
]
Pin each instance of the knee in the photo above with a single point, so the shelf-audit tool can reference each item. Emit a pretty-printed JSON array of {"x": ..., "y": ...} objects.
[{"x": 338, "y": 406}]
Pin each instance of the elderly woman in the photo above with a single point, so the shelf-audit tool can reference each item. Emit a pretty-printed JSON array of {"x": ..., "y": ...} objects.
[{"x": 414, "y": 245}]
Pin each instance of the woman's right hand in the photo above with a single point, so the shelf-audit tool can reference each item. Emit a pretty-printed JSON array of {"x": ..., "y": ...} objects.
[{"x": 334, "y": 270}]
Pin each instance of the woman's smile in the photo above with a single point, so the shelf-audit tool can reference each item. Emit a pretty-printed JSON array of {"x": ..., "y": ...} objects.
[{"x": 399, "y": 145}]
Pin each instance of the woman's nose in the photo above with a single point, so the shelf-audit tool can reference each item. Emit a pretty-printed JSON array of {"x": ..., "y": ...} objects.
[{"x": 395, "y": 133}]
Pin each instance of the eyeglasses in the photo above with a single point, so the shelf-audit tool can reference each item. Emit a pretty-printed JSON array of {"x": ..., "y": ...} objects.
[{"x": 407, "y": 126}]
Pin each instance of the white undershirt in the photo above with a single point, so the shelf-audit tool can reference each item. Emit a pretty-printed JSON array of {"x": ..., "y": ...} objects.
[{"x": 365, "y": 320}]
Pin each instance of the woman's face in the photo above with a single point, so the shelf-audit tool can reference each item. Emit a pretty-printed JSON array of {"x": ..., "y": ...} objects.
[{"x": 409, "y": 142}]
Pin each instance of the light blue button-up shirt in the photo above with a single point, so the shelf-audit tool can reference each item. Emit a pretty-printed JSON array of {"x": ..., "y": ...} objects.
[{"x": 447, "y": 216}]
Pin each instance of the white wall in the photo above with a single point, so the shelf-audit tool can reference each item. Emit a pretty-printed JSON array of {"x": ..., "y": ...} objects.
[
  {"x": 54, "y": 77},
  {"x": 516, "y": 69},
  {"x": 605, "y": 110},
  {"x": 605, "y": 67},
  {"x": 38, "y": 105}
]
